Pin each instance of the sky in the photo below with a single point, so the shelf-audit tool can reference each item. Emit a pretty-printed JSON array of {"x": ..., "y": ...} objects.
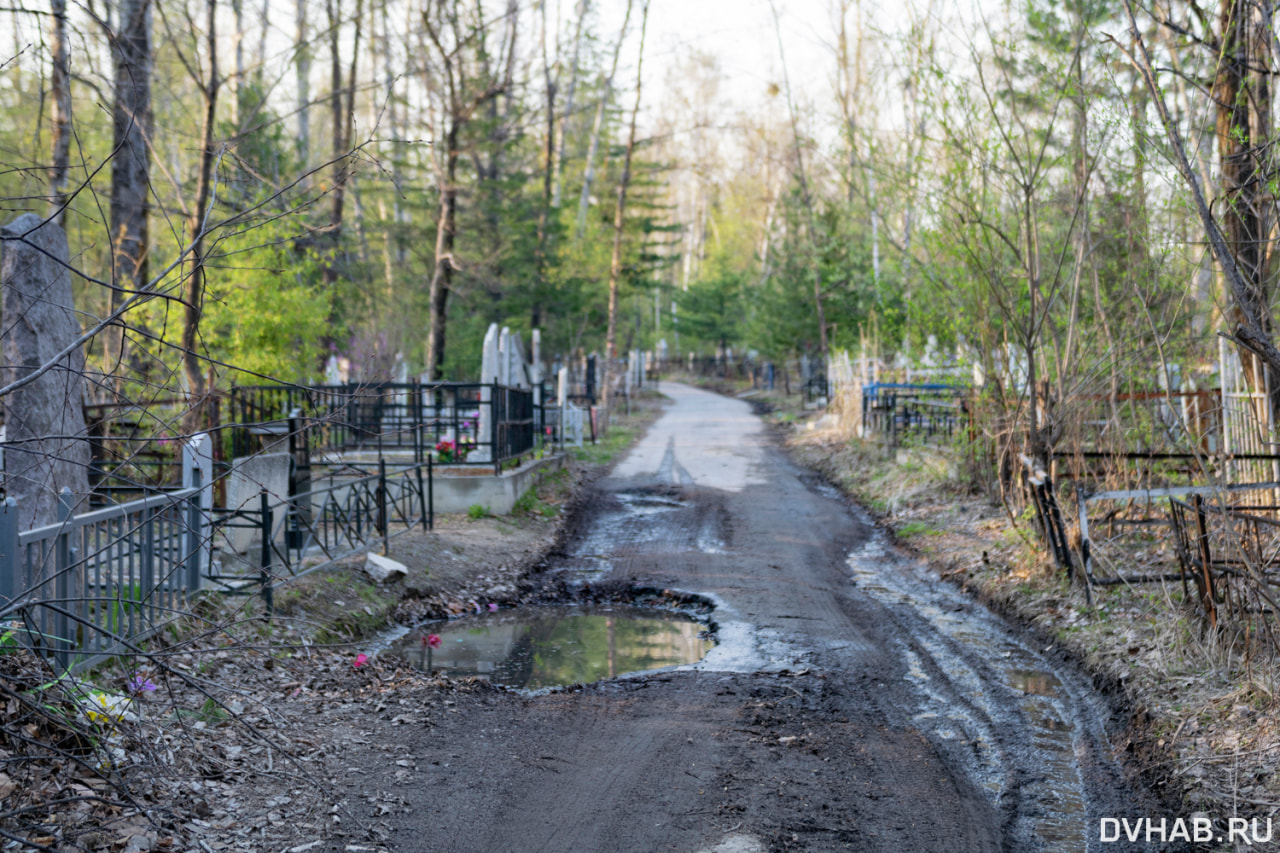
[{"x": 741, "y": 34}]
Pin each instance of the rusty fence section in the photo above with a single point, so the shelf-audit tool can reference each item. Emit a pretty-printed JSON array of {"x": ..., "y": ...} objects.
[{"x": 1219, "y": 544}]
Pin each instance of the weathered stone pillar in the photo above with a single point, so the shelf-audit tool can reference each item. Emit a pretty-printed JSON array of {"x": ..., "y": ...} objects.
[{"x": 47, "y": 445}]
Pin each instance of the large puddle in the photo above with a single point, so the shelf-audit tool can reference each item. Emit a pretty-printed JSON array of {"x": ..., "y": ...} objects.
[{"x": 538, "y": 647}]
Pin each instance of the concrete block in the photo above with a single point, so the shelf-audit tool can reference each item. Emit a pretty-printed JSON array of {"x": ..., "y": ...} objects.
[
  {"x": 459, "y": 489},
  {"x": 249, "y": 476},
  {"x": 383, "y": 569}
]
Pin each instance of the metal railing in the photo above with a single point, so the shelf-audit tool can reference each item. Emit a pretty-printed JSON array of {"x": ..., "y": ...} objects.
[
  {"x": 93, "y": 585},
  {"x": 99, "y": 584},
  {"x": 567, "y": 424},
  {"x": 462, "y": 423},
  {"x": 816, "y": 390},
  {"x": 1226, "y": 547},
  {"x": 930, "y": 413},
  {"x": 354, "y": 511}
]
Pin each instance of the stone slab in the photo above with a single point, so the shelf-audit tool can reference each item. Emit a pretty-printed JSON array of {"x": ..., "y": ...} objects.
[
  {"x": 249, "y": 476},
  {"x": 463, "y": 490}
]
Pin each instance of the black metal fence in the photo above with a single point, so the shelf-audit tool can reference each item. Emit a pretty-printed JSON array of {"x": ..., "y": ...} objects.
[
  {"x": 458, "y": 423},
  {"x": 896, "y": 412},
  {"x": 816, "y": 390},
  {"x": 133, "y": 449},
  {"x": 350, "y": 511}
]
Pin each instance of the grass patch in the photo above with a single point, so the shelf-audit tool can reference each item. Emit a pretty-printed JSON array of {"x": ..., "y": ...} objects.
[
  {"x": 917, "y": 528},
  {"x": 617, "y": 439},
  {"x": 477, "y": 511},
  {"x": 544, "y": 499}
]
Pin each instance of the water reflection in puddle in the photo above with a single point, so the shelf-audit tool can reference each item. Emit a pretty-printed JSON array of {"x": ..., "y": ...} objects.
[
  {"x": 542, "y": 647},
  {"x": 1036, "y": 682},
  {"x": 642, "y": 504}
]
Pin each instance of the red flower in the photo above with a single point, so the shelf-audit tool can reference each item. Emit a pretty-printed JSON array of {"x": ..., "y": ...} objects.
[
  {"x": 433, "y": 640},
  {"x": 361, "y": 660}
]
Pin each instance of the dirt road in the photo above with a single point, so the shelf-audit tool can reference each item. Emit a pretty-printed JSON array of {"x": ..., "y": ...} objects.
[{"x": 853, "y": 702}]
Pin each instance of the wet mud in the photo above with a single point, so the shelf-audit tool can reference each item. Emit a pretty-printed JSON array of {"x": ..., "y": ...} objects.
[{"x": 852, "y": 701}]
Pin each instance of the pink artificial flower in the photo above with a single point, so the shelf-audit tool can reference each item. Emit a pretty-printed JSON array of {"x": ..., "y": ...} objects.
[
  {"x": 361, "y": 660},
  {"x": 433, "y": 640},
  {"x": 493, "y": 608}
]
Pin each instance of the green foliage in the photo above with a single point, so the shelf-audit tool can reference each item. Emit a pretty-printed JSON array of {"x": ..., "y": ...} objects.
[
  {"x": 712, "y": 308},
  {"x": 126, "y": 601},
  {"x": 478, "y": 511},
  {"x": 266, "y": 310},
  {"x": 917, "y": 528}
]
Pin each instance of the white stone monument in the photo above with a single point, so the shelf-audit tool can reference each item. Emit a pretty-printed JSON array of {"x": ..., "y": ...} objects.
[
  {"x": 490, "y": 368},
  {"x": 535, "y": 361}
]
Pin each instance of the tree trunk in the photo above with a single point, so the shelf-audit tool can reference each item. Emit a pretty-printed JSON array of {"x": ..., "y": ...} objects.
[
  {"x": 619, "y": 220},
  {"x": 1253, "y": 329},
  {"x": 131, "y": 166},
  {"x": 588, "y": 176},
  {"x": 807, "y": 198},
  {"x": 60, "y": 119},
  {"x": 302, "y": 72},
  {"x": 567, "y": 113},
  {"x": 237, "y": 80},
  {"x": 442, "y": 276},
  {"x": 1242, "y": 184},
  {"x": 544, "y": 214},
  {"x": 342, "y": 113},
  {"x": 194, "y": 302}
]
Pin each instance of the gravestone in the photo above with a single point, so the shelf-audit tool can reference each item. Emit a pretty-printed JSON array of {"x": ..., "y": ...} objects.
[
  {"x": 517, "y": 363},
  {"x": 197, "y": 455},
  {"x": 47, "y": 443},
  {"x": 535, "y": 361},
  {"x": 490, "y": 368},
  {"x": 333, "y": 373},
  {"x": 504, "y": 356},
  {"x": 489, "y": 355}
]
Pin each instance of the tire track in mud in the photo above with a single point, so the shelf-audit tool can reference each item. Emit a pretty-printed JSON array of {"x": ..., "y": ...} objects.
[
  {"x": 1024, "y": 730},
  {"x": 1030, "y": 731}
]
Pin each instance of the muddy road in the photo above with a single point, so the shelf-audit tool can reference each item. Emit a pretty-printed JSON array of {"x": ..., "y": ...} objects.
[{"x": 853, "y": 702}]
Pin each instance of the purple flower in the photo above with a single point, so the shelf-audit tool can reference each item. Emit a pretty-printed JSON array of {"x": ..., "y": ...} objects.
[
  {"x": 493, "y": 608},
  {"x": 140, "y": 684}
]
